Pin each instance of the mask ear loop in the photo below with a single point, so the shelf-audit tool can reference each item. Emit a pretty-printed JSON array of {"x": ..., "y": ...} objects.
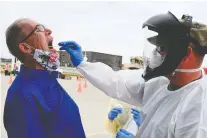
[
  {"x": 28, "y": 46},
  {"x": 188, "y": 70}
]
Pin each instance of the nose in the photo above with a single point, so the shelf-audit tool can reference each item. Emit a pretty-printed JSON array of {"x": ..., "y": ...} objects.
[{"x": 48, "y": 32}]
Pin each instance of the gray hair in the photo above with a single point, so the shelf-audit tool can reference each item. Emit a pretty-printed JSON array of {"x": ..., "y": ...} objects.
[{"x": 14, "y": 35}]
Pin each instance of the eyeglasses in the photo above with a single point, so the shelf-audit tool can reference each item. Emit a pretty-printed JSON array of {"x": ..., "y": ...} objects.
[{"x": 38, "y": 28}]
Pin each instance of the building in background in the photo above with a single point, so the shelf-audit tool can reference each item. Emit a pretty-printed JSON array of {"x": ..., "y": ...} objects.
[
  {"x": 114, "y": 61},
  {"x": 6, "y": 60},
  {"x": 135, "y": 63},
  {"x": 64, "y": 59}
]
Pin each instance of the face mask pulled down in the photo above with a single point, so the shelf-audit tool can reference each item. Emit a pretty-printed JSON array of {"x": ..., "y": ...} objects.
[{"x": 47, "y": 59}]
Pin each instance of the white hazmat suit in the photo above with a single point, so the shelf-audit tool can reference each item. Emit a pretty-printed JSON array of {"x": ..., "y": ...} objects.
[{"x": 165, "y": 114}]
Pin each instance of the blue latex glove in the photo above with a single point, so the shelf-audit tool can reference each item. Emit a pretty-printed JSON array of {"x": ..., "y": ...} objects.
[
  {"x": 74, "y": 50},
  {"x": 136, "y": 116},
  {"x": 114, "y": 112},
  {"x": 124, "y": 134}
]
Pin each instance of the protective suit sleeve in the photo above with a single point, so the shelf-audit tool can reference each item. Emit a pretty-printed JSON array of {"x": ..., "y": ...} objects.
[{"x": 125, "y": 85}]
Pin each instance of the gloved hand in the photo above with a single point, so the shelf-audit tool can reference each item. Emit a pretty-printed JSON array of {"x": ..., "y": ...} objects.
[
  {"x": 74, "y": 50},
  {"x": 114, "y": 112},
  {"x": 136, "y": 116},
  {"x": 124, "y": 134}
]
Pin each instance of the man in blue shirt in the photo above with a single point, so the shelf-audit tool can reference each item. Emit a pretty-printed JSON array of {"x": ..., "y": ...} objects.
[{"x": 36, "y": 105}]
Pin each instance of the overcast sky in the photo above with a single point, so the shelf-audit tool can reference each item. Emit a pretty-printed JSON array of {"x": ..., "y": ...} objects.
[{"x": 108, "y": 27}]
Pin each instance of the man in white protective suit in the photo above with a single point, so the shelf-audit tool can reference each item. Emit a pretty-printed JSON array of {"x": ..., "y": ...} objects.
[{"x": 171, "y": 90}]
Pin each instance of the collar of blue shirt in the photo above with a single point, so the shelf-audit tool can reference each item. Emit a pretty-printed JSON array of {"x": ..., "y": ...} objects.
[{"x": 37, "y": 73}]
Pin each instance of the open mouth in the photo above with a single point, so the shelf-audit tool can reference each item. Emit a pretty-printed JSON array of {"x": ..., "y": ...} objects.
[{"x": 50, "y": 44}]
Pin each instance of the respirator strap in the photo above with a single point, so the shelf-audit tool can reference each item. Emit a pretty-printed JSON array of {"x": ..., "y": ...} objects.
[{"x": 188, "y": 70}]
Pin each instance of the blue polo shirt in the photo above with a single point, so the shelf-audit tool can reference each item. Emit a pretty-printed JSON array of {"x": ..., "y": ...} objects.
[{"x": 38, "y": 107}]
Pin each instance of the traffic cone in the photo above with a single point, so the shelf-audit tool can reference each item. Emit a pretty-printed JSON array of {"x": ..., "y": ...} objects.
[
  {"x": 85, "y": 84},
  {"x": 10, "y": 79},
  {"x": 79, "y": 88}
]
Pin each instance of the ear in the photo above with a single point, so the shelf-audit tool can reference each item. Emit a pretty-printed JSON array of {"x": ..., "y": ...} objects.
[{"x": 24, "y": 48}]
